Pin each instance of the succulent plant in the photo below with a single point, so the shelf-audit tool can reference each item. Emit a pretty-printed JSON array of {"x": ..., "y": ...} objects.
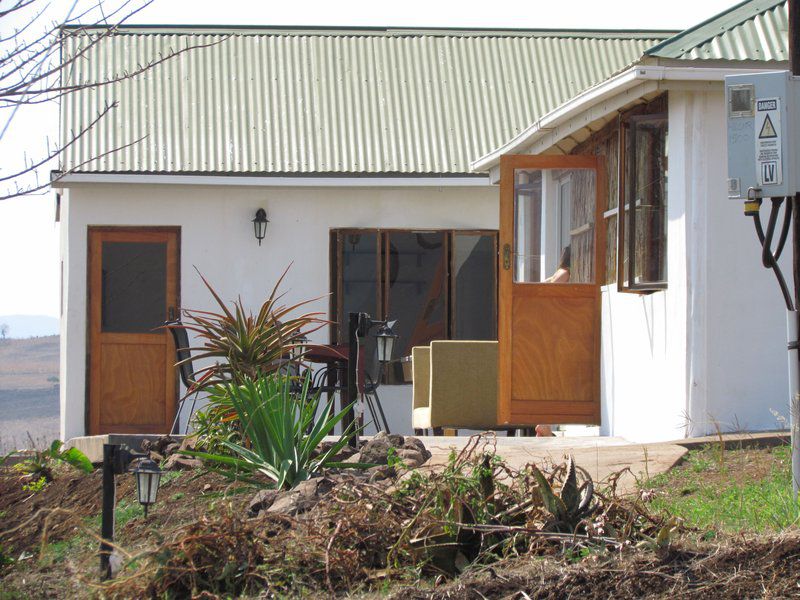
[{"x": 573, "y": 505}]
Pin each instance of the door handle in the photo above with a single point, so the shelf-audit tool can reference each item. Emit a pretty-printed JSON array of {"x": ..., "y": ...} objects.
[
  {"x": 507, "y": 256},
  {"x": 171, "y": 313}
]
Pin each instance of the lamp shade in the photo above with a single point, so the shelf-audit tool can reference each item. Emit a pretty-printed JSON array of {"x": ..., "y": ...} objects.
[
  {"x": 260, "y": 225},
  {"x": 148, "y": 478},
  {"x": 386, "y": 337}
]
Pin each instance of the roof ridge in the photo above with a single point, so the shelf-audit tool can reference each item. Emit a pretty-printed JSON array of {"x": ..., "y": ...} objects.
[
  {"x": 737, "y": 16},
  {"x": 184, "y": 29}
]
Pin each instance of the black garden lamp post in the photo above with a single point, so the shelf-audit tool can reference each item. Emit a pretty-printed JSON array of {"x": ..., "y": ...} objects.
[
  {"x": 148, "y": 477},
  {"x": 386, "y": 337},
  {"x": 116, "y": 461},
  {"x": 260, "y": 224},
  {"x": 360, "y": 325}
]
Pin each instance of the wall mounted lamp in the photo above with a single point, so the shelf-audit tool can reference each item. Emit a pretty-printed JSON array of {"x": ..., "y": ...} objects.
[{"x": 260, "y": 224}]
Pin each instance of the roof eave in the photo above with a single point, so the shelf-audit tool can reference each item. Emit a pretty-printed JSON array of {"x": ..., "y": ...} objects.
[{"x": 584, "y": 101}]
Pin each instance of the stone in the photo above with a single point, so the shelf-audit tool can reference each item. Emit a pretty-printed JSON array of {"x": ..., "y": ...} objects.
[
  {"x": 411, "y": 458},
  {"x": 172, "y": 448},
  {"x": 380, "y": 473},
  {"x": 413, "y": 443},
  {"x": 178, "y": 462},
  {"x": 285, "y": 503},
  {"x": 262, "y": 501},
  {"x": 355, "y": 458},
  {"x": 376, "y": 450},
  {"x": 396, "y": 440},
  {"x": 156, "y": 456},
  {"x": 189, "y": 443}
]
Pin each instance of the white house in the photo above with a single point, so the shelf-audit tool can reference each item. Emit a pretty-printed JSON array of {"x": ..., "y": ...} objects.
[{"x": 374, "y": 153}]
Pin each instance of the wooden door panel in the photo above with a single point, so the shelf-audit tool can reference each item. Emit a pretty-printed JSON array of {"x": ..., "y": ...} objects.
[
  {"x": 545, "y": 331},
  {"x": 133, "y": 384},
  {"x": 549, "y": 333},
  {"x": 133, "y": 278}
]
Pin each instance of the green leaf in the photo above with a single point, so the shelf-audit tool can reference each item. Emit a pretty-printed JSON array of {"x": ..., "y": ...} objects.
[{"x": 77, "y": 459}]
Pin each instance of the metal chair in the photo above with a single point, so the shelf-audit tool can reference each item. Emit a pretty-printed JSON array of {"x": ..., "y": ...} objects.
[{"x": 185, "y": 369}]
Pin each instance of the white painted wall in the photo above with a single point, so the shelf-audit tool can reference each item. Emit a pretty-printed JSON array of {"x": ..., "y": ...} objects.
[
  {"x": 711, "y": 349},
  {"x": 217, "y": 238}
]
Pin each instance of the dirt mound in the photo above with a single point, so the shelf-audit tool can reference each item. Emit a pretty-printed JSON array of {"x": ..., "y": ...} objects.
[{"x": 738, "y": 568}]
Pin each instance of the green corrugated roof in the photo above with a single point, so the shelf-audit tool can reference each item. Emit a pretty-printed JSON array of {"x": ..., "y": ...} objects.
[
  {"x": 751, "y": 30},
  {"x": 290, "y": 101}
]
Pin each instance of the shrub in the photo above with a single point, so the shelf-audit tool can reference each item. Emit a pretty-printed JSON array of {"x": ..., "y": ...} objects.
[{"x": 280, "y": 431}]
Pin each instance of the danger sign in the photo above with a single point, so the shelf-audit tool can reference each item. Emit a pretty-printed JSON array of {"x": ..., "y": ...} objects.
[{"x": 769, "y": 167}]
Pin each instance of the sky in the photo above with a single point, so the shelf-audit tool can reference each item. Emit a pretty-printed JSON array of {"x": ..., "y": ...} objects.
[{"x": 29, "y": 236}]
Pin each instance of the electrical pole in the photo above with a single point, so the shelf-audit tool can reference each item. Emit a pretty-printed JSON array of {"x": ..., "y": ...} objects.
[{"x": 794, "y": 409}]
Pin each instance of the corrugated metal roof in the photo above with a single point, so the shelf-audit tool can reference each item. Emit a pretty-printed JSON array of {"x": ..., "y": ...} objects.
[
  {"x": 752, "y": 30},
  {"x": 300, "y": 102}
]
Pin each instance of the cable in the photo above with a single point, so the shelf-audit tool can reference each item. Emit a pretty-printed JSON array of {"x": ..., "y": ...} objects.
[
  {"x": 787, "y": 221},
  {"x": 768, "y": 259}
]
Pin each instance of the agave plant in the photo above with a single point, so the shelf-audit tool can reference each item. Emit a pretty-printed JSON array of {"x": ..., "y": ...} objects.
[
  {"x": 280, "y": 426},
  {"x": 573, "y": 505},
  {"x": 238, "y": 345}
]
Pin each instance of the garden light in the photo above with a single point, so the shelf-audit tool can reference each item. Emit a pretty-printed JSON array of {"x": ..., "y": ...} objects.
[
  {"x": 148, "y": 477},
  {"x": 386, "y": 338},
  {"x": 260, "y": 224}
]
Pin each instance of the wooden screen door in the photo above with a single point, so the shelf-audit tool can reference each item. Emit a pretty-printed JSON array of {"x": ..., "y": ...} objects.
[
  {"x": 133, "y": 289},
  {"x": 549, "y": 333}
]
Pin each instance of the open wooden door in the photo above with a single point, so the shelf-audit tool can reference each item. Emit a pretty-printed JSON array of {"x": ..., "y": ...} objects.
[
  {"x": 133, "y": 289},
  {"x": 549, "y": 333}
]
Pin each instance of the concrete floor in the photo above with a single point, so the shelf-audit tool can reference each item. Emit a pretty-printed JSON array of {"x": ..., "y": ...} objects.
[{"x": 600, "y": 456}]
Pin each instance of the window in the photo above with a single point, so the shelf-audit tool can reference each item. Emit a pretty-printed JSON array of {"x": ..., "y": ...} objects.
[
  {"x": 436, "y": 284},
  {"x": 643, "y": 225}
]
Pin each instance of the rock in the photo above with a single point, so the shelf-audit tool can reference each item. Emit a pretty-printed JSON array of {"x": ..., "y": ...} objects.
[
  {"x": 189, "y": 443},
  {"x": 380, "y": 473},
  {"x": 178, "y": 462},
  {"x": 396, "y": 440},
  {"x": 285, "y": 504},
  {"x": 262, "y": 501},
  {"x": 172, "y": 448},
  {"x": 356, "y": 458},
  {"x": 376, "y": 450},
  {"x": 413, "y": 443},
  {"x": 411, "y": 458}
]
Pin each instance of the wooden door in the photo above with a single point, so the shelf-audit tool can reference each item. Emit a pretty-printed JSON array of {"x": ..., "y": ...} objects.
[
  {"x": 133, "y": 289},
  {"x": 549, "y": 333}
]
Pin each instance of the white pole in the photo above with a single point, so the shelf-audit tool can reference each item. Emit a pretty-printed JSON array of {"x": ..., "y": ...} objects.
[{"x": 794, "y": 397}]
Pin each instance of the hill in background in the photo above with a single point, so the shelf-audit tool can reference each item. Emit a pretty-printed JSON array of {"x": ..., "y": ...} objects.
[
  {"x": 25, "y": 326},
  {"x": 28, "y": 392}
]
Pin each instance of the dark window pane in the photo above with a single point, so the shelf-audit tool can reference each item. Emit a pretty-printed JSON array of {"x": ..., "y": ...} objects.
[
  {"x": 359, "y": 286},
  {"x": 475, "y": 298},
  {"x": 646, "y": 200},
  {"x": 134, "y": 294},
  {"x": 417, "y": 288}
]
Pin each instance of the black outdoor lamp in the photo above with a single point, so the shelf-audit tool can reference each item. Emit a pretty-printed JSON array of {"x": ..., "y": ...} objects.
[
  {"x": 260, "y": 224},
  {"x": 148, "y": 477},
  {"x": 360, "y": 324},
  {"x": 299, "y": 346},
  {"x": 116, "y": 461},
  {"x": 386, "y": 337}
]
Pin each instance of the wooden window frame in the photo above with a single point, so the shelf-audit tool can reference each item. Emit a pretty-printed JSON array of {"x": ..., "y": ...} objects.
[
  {"x": 336, "y": 304},
  {"x": 626, "y": 219}
]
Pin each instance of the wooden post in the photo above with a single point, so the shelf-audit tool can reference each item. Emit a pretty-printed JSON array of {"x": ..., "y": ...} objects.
[{"x": 352, "y": 375}]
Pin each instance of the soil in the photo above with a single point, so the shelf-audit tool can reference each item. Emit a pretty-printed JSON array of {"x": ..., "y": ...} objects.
[{"x": 201, "y": 514}]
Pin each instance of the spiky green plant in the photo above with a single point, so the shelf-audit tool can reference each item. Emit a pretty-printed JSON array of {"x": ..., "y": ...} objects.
[
  {"x": 238, "y": 345},
  {"x": 281, "y": 432},
  {"x": 573, "y": 505},
  {"x": 39, "y": 464}
]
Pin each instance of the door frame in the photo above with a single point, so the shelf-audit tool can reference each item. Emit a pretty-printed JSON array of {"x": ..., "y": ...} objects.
[
  {"x": 90, "y": 229},
  {"x": 508, "y": 164}
]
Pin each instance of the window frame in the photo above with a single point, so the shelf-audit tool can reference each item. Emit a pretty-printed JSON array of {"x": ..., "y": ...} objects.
[
  {"x": 626, "y": 220},
  {"x": 336, "y": 304}
]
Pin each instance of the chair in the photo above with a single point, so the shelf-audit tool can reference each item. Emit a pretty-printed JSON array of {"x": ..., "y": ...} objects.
[
  {"x": 185, "y": 369},
  {"x": 455, "y": 385}
]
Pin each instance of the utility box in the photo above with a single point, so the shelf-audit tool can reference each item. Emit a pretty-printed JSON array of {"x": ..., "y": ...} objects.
[{"x": 763, "y": 134}]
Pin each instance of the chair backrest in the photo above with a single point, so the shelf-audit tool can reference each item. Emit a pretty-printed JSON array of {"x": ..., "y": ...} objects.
[{"x": 182, "y": 351}]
